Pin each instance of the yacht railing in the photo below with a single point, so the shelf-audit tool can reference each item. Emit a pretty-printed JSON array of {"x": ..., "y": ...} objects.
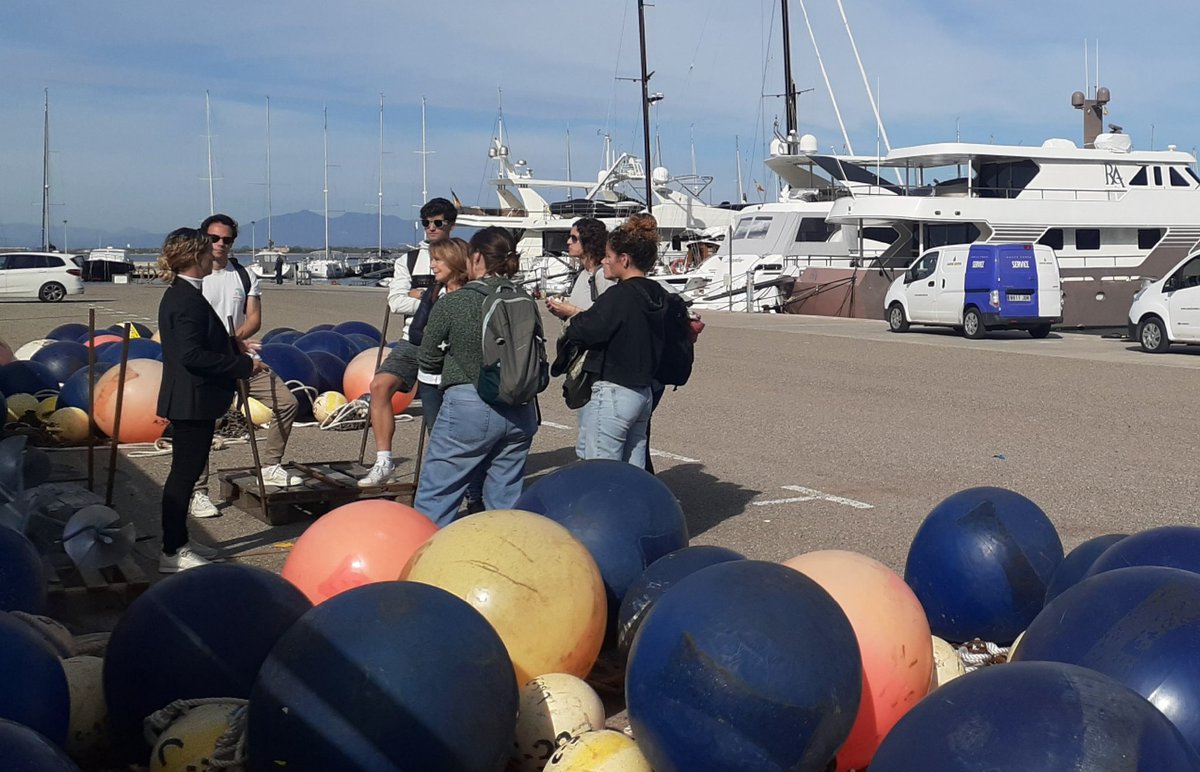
[{"x": 959, "y": 190}]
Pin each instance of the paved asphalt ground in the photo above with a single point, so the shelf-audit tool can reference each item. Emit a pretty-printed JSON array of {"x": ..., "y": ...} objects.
[{"x": 798, "y": 433}]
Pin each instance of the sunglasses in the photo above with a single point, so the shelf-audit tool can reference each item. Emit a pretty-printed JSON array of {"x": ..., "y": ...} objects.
[
  {"x": 572, "y": 238},
  {"x": 439, "y": 223},
  {"x": 214, "y": 238}
]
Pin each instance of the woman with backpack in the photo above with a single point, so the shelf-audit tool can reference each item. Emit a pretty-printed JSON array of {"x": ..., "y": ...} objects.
[
  {"x": 471, "y": 435},
  {"x": 623, "y": 333}
]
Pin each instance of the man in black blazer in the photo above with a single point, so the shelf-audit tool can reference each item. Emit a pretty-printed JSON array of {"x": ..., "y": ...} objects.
[{"x": 200, "y": 373}]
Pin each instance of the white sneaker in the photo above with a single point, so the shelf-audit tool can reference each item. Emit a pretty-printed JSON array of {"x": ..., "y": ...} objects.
[
  {"x": 205, "y": 551},
  {"x": 202, "y": 505},
  {"x": 276, "y": 475},
  {"x": 379, "y": 473},
  {"x": 183, "y": 559}
]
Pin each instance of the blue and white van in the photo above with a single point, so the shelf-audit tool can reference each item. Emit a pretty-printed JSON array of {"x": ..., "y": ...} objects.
[{"x": 979, "y": 287}]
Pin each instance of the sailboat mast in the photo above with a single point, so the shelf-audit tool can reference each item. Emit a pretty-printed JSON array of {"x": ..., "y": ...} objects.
[
  {"x": 46, "y": 171},
  {"x": 380, "y": 253},
  {"x": 424, "y": 155},
  {"x": 212, "y": 201},
  {"x": 737, "y": 152},
  {"x": 789, "y": 86},
  {"x": 270, "y": 242},
  {"x": 866, "y": 84},
  {"x": 325, "y": 143},
  {"x": 645, "y": 105},
  {"x": 825, "y": 75}
]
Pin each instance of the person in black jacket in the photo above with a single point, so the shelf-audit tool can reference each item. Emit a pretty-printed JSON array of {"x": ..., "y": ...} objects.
[
  {"x": 200, "y": 370},
  {"x": 623, "y": 333}
]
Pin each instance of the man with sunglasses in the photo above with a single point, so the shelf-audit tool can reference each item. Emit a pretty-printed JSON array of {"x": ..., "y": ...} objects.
[{"x": 233, "y": 291}]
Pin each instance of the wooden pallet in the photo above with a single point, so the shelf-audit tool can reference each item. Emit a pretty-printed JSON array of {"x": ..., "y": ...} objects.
[
  {"x": 326, "y": 486},
  {"x": 75, "y": 593}
]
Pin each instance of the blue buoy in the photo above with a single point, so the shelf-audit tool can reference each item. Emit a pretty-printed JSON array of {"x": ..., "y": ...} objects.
[
  {"x": 285, "y": 337},
  {"x": 26, "y": 377},
  {"x": 361, "y": 342},
  {"x": 360, "y": 328},
  {"x": 1029, "y": 716},
  {"x": 1139, "y": 626},
  {"x": 391, "y": 675},
  {"x": 330, "y": 370},
  {"x": 1173, "y": 546},
  {"x": 34, "y": 691},
  {"x": 270, "y": 336},
  {"x": 295, "y": 369},
  {"x": 327, "y": 341},
  {"x": 625, "y": 516},
  {"x": 660, "y": 576},
  {"x": 63, "y": 358},
  {"x": 204, "y": 632},
  {"x": 71, "y": 331},
  {"x": 23, "y": 749},
  {"x": 22, "y": 579},
  {"x": 75, "y": 389},
  {"x": 320, "y": 327},
  {"x": 139, "y": 348},
  {"x": 980, "y": 563},
  {"x": 744, "y": 665},
  {"x": 1076, "y": 564}
]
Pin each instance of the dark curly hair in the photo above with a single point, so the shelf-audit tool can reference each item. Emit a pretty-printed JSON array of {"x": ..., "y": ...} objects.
[
  {"x": 593, "y": 235},
  {"x": 638, "y": 238}
]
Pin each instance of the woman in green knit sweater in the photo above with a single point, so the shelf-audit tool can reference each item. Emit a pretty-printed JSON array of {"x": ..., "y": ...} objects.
[{"x": 470, "y": 434}]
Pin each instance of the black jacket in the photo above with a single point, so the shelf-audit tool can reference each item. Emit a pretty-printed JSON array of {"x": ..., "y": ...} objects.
[
  {"x": 200, "y": 369},
  {"x": 623, "y": 332}
]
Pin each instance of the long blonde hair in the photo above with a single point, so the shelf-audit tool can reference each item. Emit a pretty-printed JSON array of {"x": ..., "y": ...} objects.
[{"x": 180, "y": 251}]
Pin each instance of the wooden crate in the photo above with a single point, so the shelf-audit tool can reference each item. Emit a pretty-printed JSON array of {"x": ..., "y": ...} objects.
[
  {"x": 74, "y": 593},
  {"x": 326, "y": 486}
]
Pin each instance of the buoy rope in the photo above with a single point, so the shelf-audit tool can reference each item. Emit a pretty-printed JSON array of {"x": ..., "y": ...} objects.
[
  {"x": 976, "y": 654},
  {"x": 230, "y": 748}
]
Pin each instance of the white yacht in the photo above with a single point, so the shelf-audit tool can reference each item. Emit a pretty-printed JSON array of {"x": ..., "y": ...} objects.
[
  {"x": 1116, "y": 216},
  {"x": 264, "y": 263},
  {"x": 326, "y": 264},
  {"x": 104, "y": 263}
]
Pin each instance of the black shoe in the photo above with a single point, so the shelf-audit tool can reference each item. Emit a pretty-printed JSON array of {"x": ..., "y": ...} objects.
[{"x": 474, "y": 506}]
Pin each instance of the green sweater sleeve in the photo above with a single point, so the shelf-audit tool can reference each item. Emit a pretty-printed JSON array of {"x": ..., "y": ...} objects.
[{"x": 453, "y": 339}]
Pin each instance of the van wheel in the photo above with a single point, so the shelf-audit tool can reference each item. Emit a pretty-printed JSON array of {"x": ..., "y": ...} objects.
[
  {"x": 1040, "y": 331},
  {"x": 52, "y": 292},
  {"x": 897, "y": 322},
  {"x": 972, "y": 325},
  {"x": 1153, "y": 335}
]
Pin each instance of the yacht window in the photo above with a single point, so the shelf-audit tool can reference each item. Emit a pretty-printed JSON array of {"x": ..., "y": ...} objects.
[
  {"x": 1005, "y": 179},
  {"x": 3, "y": 262},
  {"x": 1052, "y": 238},
  {"x": 1087, "y": 238},
  {"x": 882, "y": 234},
  {"x": 1188, "y": 275},
  {"x": 925, "y": 266},
  {"x": 813, "y": 229},
  {"x": 1191, "y": 173},
  {"x": 1177, "y": 179},
  {"x": 555, "y": 242},
  {"x": 1148, "y": 238},
  {"x": 753, "y": 227},
  {"x": 1158, "y": 175},
  {"x": 955, "y": 233},
  {"x": 1139, "y": 178}
]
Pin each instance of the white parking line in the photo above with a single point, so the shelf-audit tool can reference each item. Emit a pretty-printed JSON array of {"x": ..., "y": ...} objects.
[
  {"x": 811, "y": 494},
  {"x": 653, "y": 451}
]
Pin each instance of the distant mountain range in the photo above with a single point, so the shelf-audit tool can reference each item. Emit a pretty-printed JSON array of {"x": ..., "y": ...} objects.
[{"x": 298, "y": 230}]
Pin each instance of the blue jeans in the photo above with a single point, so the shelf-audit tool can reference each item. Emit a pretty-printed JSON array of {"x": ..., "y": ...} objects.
[
  {"x": 469, "y": 436},
  {"x": 614, "y": 422},
  {"x": 431, "y": 403}
]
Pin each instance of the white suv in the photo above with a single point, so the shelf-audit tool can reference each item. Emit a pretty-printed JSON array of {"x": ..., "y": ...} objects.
[{"x": 47, "y": 276}]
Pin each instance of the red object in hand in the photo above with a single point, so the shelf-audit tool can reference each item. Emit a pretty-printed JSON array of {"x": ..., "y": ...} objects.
[{"x": 695, "y": 327}]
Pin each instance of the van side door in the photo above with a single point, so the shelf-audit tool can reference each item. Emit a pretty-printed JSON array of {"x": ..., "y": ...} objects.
[
  {"x": 948, "y": 291},
  {"x": 921, "y": 289},
  {"x": 1183, "y": 302}
]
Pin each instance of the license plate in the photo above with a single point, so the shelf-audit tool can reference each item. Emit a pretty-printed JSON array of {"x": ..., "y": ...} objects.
[{"x": 1020, "y": 298}]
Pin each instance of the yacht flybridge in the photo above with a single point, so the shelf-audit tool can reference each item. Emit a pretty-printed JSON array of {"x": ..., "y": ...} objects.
[{"x": 1116, "y": 216}]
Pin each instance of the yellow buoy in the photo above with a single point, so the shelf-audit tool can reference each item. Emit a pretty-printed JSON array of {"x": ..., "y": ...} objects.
[
  {"x": 946, "y": 664},
  {"x": 20, "y": 406},
  {"x": 47, "y": 407},
  {"x": 260, "y": 414},
  {"x": 326, "y": 404},
  {"x": 555, "y": 708},
  {"x": 189, "y": 742},
  {"x": 604, "y": 751},
  {"x": 68, "y": 424},
  {"x": 87, "y": 737}
]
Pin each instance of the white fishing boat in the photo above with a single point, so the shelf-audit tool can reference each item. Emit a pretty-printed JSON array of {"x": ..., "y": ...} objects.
[
  {"x": 264, "y": 263},
  {"x": 103, "y": 263},
  {"x": 322, "y": 264}
]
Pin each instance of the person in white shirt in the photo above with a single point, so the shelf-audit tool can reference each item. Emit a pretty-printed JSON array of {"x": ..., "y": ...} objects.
[{"x": 235, "y": 292}]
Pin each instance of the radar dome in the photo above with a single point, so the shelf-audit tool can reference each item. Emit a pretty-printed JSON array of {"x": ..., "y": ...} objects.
[
  {"x": 808, "y": 144},
  {"x": 660, "y": 175}
]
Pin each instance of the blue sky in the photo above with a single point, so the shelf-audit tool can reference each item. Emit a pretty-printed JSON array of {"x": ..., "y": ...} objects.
[{"x": 127, "y": 83}]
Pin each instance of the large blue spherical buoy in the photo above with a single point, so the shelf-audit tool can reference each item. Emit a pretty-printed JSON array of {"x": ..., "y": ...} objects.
[
  {"x": 23, "y": 749},
  {"x": 1077, "y": 563},
  {"x": 743, "y": 665},
  {"x": 625, "y": 516},
  {"x": 1173, "y": 546},
  {"x": 361, "y": 342},
  {"x": 285, "y": 337},
  {"x": 270, "y": 336},
  {"x": 24, "y": 377},
  {"x": 33, "y": 685},
  {"x": 22, "y": 579},
  {"x": 72, "y": 331},
  {"x": 75, "y": 389},
  {"x": 330, "y": 370},
  {"x": 391, "y": 675},
  {"x": 320, "y": 327},
  {"x": 1139, "y": 626},
  {"x": 327, "y": 341},
  {"x": 139, "y": 348},
  {"x": 295, "y": 369},
  {"x": 204, "y": 632},
  {"x": 360, "y": 328},
  {"x": 1033, "y": 716},
  {"x": 980, "y": 563},
  {"x": 63, "y": 358},
  {"x": 659, "y": 577}
]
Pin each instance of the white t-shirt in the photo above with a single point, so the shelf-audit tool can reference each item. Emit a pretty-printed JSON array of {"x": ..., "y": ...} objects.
[{"x": 225, "y": 292}]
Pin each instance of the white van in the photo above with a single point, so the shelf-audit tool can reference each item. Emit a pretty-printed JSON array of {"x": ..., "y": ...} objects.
[
  {"x": 979, "y": 287},
  {"x": 1168, "y": 311}
]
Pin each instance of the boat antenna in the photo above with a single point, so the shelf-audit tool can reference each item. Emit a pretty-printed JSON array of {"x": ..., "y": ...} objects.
[
  {"x": 46, "y": 170},
  {"x": 825, "y": 75},
  {"x": 270, "y": 240},
  {"x": 212, "y": 201},
  {"x": 645, "y": 104},
  {"x": 424, "y": 156},
  {"x": 789, "y": 85},
  {"x": 380, "y": 253},
  {"x": 325, "y": 190},
  {"x": 570, "y": 191}
]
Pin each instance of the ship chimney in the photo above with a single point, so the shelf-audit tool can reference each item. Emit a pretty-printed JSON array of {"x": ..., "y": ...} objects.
[{"x": 1093, "y": 113}]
